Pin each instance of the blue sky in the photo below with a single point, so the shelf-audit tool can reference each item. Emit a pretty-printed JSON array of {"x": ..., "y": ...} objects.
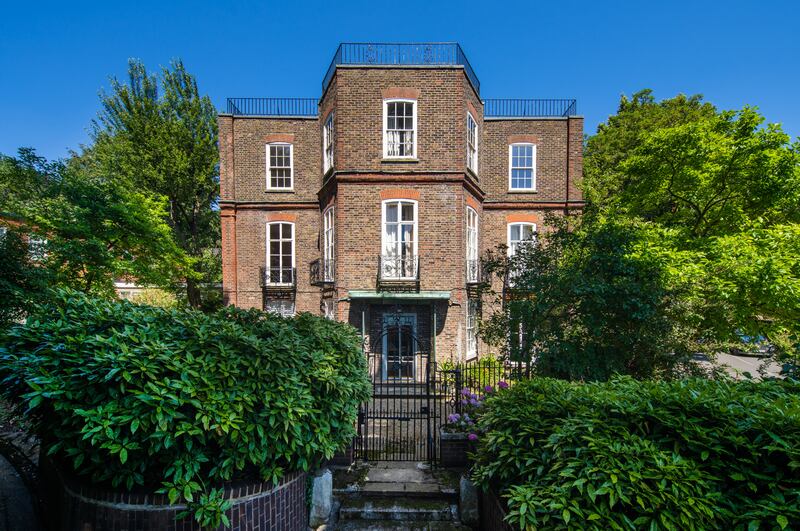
[{"x": 56, "y": 56}]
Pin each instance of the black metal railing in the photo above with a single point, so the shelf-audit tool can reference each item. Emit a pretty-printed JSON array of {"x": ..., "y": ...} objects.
[
  {"x": 398, "y": 268},
  {"x": 474, "y": 272},
  {"x": 321, "y": 272},
  {"x": 524, "y": 108},
  {"x": 273, "y": 106},
  {"x": 278, "y": 277},
  {"x": 400, "y": 54}
]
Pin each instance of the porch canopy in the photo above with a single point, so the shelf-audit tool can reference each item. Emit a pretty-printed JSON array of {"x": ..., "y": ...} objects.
[{"x": 356, "y": 294}]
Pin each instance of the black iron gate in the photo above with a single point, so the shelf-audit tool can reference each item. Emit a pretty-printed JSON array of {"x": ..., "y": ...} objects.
[{"x": 400, "y": 422}]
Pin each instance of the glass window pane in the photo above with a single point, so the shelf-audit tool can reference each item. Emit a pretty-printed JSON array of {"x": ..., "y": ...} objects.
[
  {"x": 274, "y": 231},
  {"x": 408, "y": 212},
  {"x": 391, "y": 212},
  {"x": 287, "y": 230}
]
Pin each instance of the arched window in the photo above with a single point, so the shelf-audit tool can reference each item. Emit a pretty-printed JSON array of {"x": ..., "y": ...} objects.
[
  {"x": 280, "y": 253},
  {"x": 399, "y": 240},
  {"x": 472, "y": 245}
]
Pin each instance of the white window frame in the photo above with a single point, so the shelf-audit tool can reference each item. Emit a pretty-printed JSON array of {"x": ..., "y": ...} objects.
[
  {"x": 414, "y": 134},
  {"x": 384, "y": 243},
  {"x": 291, "y": 167},
  {"x": 512, "y": 251},
  {"x": 472, "y": 144},
  {"x": 281, "y": 239},
  {"x": 328, "y": 134},
  {"x": 511, "y": 167},
  {"x": 472, "y": 234},
  {"x": 328, "y": 244},
  {"x": 472, "y": 329}
]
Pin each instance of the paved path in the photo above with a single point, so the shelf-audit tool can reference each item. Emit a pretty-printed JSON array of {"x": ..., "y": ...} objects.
[{"x": 16, "y": 506}]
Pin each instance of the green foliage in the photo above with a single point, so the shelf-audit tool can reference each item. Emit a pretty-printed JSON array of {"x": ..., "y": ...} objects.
[
  {"x": 177, "y": 399},
  {"x": 96, "y": 229},
  {"x": 628, "y": 454},
  {"x": 21, "y": 282},
  {"x": 166, "y": 144},
  {"x": 720, "y": 194},
  {"x": 589, "y": 300}
]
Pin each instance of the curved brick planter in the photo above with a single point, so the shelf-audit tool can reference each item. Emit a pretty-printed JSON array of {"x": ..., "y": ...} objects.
[{"x": 261, "y": 506}]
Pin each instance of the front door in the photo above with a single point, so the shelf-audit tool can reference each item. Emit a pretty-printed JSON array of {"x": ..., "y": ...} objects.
[{"x": 399, "y": 346}]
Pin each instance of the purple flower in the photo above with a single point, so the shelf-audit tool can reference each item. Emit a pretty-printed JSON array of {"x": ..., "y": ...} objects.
[
  {"x": 465, "y": 392},
  {"x": 489, "y": 389},
  {"x": 453, "y": 418},
  {"x": 472, "y": 437},
  {"x": 502, "y": 385},
  {"x": 473, "y": 402},
  {"x": 466, "y": 417}
]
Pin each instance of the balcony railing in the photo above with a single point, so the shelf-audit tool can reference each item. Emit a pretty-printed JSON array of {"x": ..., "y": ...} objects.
[
  {"x": 273, "y": 106},
  {"x": 520, "y": 108},
  {"x": 398, "y": 268},
  {"x": 400, "y": 54},
  {"x": 278, "y": 277},
  {"x": 321, "y": 272},
  {"x": 474, "y": 272}
]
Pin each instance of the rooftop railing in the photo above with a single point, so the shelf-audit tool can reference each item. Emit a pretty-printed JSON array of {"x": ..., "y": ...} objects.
[
  {"x": 273, "y": 106},
  {"x": 521, "y": 108},
  {"x": 399, "y": 54}
]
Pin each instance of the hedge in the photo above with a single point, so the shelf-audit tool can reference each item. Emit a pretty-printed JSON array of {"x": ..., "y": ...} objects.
[
  {"x": 180, "y": 401},
  {"x": 627, "y": 454}
]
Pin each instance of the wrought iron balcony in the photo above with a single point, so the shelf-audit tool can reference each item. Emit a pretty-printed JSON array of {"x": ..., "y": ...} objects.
[
  {"x": 474, "y": 272},
  {"x": 278, "y": 278},
  {"x": 398, "y": 268},
  {"x": 306, "y": 107},
  {"x": 517, "y": 108},
  {"x": 400, "y": 54},
  {"x": 321, "y": 272}
]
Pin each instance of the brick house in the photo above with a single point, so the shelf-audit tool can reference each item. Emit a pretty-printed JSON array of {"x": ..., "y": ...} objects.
[{"x": 373, "y": 203}]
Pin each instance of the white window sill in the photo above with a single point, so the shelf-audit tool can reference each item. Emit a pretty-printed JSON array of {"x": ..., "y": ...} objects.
[
  {"x": 280, "y": 190},
  {"x": 523, "y": 191},
  {"x": 400, "y": 159}
]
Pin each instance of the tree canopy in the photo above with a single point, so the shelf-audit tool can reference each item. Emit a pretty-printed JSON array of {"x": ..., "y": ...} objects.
[
  {"x": 157, "y": 134},
  {"x": 693, "y": 216},
  {"x": 92, "y": 229}
]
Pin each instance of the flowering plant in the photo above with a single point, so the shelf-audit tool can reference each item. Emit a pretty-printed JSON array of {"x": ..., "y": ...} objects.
[{"x": 470, "y": 405}]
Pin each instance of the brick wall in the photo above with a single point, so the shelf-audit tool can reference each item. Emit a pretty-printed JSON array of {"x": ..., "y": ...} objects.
[
  {"x": 255, "y": 505},
  {"x": 439, "y": 180}
]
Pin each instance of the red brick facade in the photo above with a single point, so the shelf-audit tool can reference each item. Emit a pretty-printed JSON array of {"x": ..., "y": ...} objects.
[{"x": 437, "y": 180}]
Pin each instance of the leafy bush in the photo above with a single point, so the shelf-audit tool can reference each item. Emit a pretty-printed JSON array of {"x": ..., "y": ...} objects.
[
  {"x": 627, "y": 454},
  {"x": 180, "y": 400}
]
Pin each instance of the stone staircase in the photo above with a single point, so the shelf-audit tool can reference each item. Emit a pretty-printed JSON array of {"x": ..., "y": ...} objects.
[{"x": 396, "y": 496}]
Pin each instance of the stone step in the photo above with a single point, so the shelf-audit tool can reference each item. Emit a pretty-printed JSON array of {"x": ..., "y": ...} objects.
[
  {"x": 389, "y": 525},
  {"x": 393, "y": 509}
]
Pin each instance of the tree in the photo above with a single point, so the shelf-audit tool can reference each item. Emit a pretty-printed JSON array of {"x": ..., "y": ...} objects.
[
  {"x": 21, "y": 282},
  {"x": 165, "y": 145},
  {"x": 96, "y": 229},
  {"x": 718, "y": 187},
  {"x": 588, "y": 299}
]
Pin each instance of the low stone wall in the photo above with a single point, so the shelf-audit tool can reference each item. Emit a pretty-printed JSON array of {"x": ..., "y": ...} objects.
[
  {"x": 493, "y": 510},
  {"x": 259, "y": 505}
]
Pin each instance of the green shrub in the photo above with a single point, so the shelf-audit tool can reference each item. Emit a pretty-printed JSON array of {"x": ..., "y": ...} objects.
[
  {"x": 182, "y": 401},
  {"x": 627, "y": 454}
]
